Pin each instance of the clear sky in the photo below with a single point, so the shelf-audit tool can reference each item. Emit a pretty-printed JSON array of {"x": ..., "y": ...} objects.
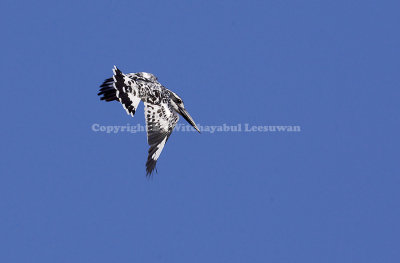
[{"x": 329, "y": 193}]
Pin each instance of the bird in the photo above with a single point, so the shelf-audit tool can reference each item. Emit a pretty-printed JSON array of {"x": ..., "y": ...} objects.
[{"x": 162, "y": 107}]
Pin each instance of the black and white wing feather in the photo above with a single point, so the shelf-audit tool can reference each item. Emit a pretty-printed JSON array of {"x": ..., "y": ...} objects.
[
  {"x": 160, "y": 121},
  {"x": 121, "y": 87}
]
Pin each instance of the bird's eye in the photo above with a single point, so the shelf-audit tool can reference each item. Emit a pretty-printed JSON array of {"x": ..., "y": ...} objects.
[{"x": 179, "y": 101}]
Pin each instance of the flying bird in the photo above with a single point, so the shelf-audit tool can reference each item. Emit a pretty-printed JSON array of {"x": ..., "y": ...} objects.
[{"x": 162, "y": 107}]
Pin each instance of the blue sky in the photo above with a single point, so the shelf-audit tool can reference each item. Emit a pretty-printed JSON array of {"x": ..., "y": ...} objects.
[{"x": 329, "y": 193}]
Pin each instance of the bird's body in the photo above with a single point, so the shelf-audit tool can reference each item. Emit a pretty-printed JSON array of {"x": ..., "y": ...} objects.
[{"x": 162, "y": 107}]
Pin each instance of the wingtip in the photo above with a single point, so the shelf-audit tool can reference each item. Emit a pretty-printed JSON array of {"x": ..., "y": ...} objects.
[
  {"x": 150, "y": 167},
  {"x": 150, "y": 173},
  {"x": 116, "y": 70}
]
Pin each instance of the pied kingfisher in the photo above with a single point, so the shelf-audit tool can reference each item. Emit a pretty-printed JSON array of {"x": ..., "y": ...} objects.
[{"x": 162, "y": 107}]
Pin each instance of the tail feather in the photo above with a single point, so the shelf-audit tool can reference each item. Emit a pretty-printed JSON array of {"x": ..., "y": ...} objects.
[
  {"x": 120, "y": 87},
  {"x": 107, "y": 90}
]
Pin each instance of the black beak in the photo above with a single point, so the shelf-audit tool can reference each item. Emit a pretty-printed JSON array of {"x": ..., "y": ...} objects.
[{"x": 187, "y": 117}]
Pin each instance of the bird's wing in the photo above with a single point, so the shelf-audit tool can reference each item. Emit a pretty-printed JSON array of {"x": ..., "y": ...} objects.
[
  {"x": 160, "y": 121},
  {"x": 123, "y": 88}
]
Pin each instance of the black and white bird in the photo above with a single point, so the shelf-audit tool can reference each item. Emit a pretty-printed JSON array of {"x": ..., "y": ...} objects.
[{"x": 162, "y": 107}]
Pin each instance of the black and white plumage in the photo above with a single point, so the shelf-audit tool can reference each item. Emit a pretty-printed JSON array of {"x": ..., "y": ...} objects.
[{"x": 162, "y": 107}]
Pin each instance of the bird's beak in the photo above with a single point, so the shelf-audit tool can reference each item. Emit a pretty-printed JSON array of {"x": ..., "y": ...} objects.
[{"x": 187, "y": 117}]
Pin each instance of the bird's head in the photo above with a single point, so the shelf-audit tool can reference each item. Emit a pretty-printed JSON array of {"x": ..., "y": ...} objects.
[{"x": 178, "y": 106}]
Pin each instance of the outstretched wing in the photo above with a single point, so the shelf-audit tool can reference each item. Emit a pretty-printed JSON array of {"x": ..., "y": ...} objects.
[
  {"x": 160, "y": 121},
  {"x": 123, "y": 88}
]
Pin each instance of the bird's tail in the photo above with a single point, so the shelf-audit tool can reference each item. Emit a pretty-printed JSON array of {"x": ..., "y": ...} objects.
[{"x": 108, "y": 92}]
